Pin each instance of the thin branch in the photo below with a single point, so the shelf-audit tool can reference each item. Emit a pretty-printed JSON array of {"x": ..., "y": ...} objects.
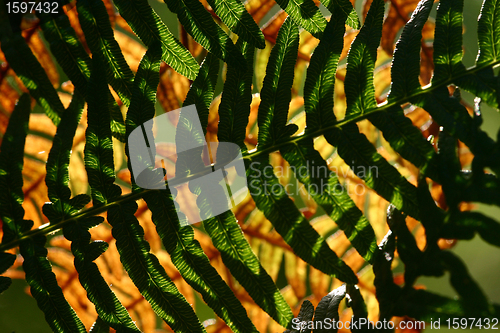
[{"x": 48, "y": 228}]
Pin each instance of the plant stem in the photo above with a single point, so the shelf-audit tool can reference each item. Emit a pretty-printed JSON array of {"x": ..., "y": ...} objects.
[{"x": 48, "y": 228}]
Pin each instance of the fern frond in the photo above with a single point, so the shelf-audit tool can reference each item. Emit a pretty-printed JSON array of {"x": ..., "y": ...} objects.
[
  {"x": 378, "y": 174},
  {"x": 31, "y": 73},
  {"x": 323, "y": 185},
  {"x": 67, "y": 49},
  {"x": 98, "y": 151},
  {"x": 432, "y": 215},
  {"x": 99, "y": 326},
  {"x": 42, "y": 281},
  {"x": 99, "y": 35},
  {"x": 6, "y": 261},
  {"x": 358, "y": 305},
  {"x": 306, "y": 14},
  {"x": 61, "y": 206},
  {"x": 407, "y": 140},
  {"x": 483, "y": 83},
  {"x": 433, "y": 262},
  {"x": 421, "y": 304},
  {"x": 353, "y": 147},
  {"x": 75, "y": 62},
  {"x": 385, "y": 288},
  {"x": 234, "y": 107},
  {"x": 465, "y": 225},
  {"x": 359, "y": 88},
  {"x": 11, "y": 164},
  {"x": 201, "y": 26},
  {"x": 447, "y": 56},
  {"x": 405, "y": 65},
  {"x": 146, "y": 23},
  {"x": 440, "y": 213},
  {"x": 100, "y": 170},
  {"x": 143, "y": 267},
  {"x": 473, "y": 298},
  {"x": 347, "y": 9},
  {"x": 320, "y": 80},
  {"x": 488, "y": 31},
  {"x": 201, "y": 92},
  {"x": 58, "y": 313},
  {"x": 193, "y": 264},
  {"x": 186, "y": 252},
  {"x": 407, "y": 247},
  {"x": 147, "y": 273},
  {"x": 106, "y": 303},
  {"x": 328, "y": 307},
  {"x": 242, "y": 262},
  {"x": 424, "y": 305},
  {"x": 453, "y": 116},
  {"x": 276, "y": 90},
  {"x": 360, "y": 96},
  {"x": 227, "y": 236},
  {"x": 272, "y": 116},
  {"x": 142, "y": 109},
  {"x": 57, "y": 179},
  {"x": 306, "y": 314},
  {"x": 290, "y": 223},
  {"x": 235, "y": 17},
  {"x": 224, "y": 230}
]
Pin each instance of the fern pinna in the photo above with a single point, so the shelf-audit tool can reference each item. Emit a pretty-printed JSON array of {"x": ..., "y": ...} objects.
[{"x": 237, "y": 261}]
